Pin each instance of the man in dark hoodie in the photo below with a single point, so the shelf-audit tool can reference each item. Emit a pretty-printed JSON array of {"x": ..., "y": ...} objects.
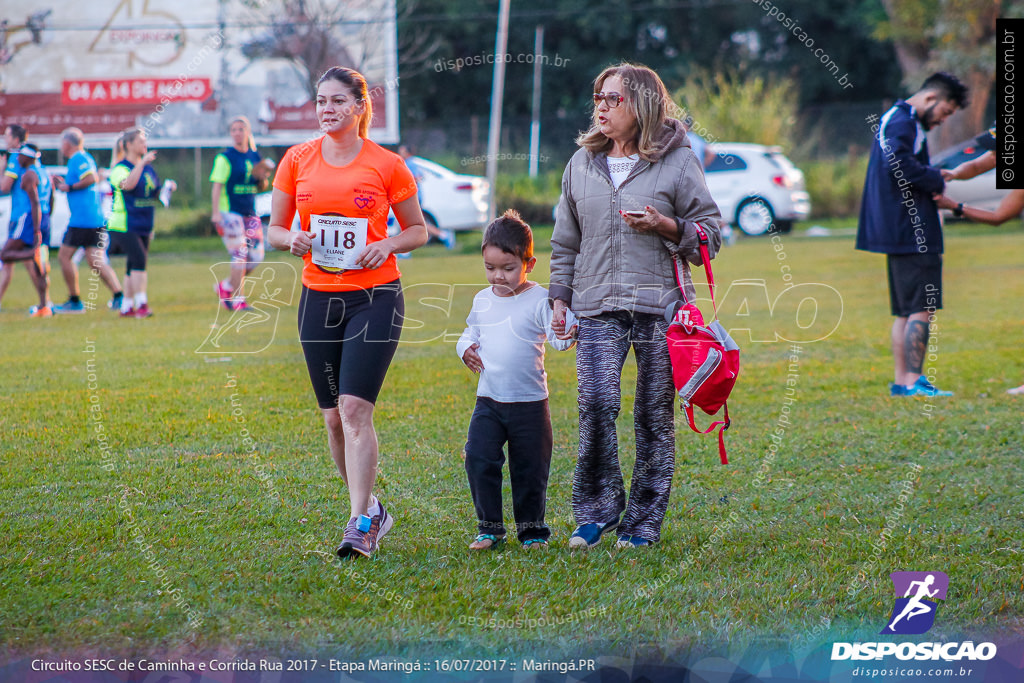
[{"x": 899, "y": 218}]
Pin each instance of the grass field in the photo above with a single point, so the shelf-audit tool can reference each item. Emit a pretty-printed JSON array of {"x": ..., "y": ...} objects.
[{"x": 160, "y": 499}]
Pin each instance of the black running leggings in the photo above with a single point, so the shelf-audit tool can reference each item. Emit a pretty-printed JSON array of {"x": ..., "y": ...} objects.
[
  {"x": 135, "y": 245},
  {"x": 349, "y": 339}
]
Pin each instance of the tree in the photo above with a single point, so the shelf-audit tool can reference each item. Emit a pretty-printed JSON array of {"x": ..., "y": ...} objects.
[
  {"x": 946, "y": 35},
  {"x": 312, "y": 35}
]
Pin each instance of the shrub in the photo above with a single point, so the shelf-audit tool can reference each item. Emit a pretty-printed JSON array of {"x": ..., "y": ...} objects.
[
  {"x": 835, "y": 185},
  {"x": 729, "y": 107},
  {"x": 533, "y": 198}
]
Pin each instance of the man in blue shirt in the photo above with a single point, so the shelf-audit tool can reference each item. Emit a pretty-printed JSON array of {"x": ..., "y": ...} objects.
[
  {"x": 86, "y": 225},
  {"x": 899, "y": 218},
  {"x": 15, "y": 136},
  {"x": 29, "y": 229}
]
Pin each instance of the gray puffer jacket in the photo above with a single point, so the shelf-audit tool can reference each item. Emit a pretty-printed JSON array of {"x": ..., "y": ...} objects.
[{"x": 600, "y": 264}]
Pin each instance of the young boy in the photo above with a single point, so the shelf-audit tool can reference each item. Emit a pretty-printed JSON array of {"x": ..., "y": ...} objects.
[{"x": 504, "y": 342}]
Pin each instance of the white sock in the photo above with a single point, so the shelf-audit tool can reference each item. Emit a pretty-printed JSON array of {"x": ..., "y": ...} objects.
[
  {"x": 126, "y": 304},
  {"x": 374, "y": 507},
  {"x": 140, "y": 300}
]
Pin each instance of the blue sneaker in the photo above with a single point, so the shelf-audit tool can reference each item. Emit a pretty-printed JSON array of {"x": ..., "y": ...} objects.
[
  {"x": 589, "y": 535},
  {"x": 70, "y": 306},
  {"x": 448, "y": 238},
  {"x": 899, "y": 390},
  {"x": 627, "y": 541},
  {"x": 923, "y": 387}
]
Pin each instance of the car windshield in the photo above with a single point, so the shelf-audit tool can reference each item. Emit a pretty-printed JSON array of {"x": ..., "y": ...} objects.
[{"x": 430, "y": 167}]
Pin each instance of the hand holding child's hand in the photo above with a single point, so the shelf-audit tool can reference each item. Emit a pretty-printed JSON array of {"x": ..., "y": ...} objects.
[
  {"x": 558, "y": 314},
  {"x": 472, "y": 359}
]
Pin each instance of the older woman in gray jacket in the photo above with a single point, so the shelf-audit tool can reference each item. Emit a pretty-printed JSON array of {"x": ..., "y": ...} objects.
[{"x": 631, "y": 196}]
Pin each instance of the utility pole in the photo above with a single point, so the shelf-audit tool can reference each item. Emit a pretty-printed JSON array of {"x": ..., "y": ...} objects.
[
  {"x": 497, "y": 92},
  {"x": 538, "y": 56}
]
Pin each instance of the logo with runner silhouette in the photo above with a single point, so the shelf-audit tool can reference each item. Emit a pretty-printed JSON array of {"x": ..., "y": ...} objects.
[
  {"x": 916, "y": 595},
  {"x": 251, "y": 329}
]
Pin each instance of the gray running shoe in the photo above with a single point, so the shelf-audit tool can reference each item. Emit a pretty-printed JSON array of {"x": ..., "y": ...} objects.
[
  {"x": 384, "y": 521},
  {"x": 360, "y": 537}
]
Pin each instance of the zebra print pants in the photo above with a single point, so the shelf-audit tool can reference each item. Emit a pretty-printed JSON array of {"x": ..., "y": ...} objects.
[{"x": 598, "y": 493}]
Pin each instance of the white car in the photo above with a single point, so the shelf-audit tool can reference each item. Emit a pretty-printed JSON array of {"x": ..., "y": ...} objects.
[
  {"x": 757, "y": 186},
  {"x": 60, "y": 214},
  {"x": 450, "y": 201}
]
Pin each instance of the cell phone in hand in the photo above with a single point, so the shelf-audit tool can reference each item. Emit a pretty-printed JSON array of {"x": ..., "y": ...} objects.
[{"x": 635, "y": 214}]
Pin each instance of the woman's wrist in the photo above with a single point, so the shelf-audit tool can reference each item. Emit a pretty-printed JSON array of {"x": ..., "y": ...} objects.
[
  {"x": 670, "y": 228},
  {"x": 959, "y": 210}
]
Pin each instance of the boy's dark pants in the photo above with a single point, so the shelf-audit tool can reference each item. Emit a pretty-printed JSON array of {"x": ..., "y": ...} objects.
[{"x": 526, "y": 426}]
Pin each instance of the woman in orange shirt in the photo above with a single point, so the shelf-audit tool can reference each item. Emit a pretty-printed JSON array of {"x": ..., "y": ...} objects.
[{"x": 350, "y": 313}]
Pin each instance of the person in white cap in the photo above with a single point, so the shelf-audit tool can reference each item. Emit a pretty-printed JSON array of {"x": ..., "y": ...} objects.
[{"x": 29, "y": 230}]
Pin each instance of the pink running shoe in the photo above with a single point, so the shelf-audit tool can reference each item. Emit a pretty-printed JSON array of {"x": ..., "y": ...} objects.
[{"x": 223, "y": 293}]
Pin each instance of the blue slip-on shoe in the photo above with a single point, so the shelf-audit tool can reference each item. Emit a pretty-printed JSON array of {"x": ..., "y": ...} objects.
[
  {"x": 589, "y": 535},
  {"x": 627, "y": 541}
]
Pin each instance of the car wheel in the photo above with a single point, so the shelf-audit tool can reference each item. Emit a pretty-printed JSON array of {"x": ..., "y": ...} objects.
[{"x": 755, "y": 217}]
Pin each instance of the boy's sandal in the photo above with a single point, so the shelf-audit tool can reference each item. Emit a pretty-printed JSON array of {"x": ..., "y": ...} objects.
[
  {"x": 535, "y": 544},
  {"x": 485, "y": 541}
]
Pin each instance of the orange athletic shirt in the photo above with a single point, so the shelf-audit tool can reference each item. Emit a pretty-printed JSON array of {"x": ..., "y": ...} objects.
[{"x": 365, "y": 188}]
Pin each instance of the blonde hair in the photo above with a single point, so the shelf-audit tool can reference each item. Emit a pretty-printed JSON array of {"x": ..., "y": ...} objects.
[
  {"x": 646, "y": 97},
  {"x": 248, "y": 130},
  {"x": 356, "y": 84},
  {"x": 121, "y": 146}
]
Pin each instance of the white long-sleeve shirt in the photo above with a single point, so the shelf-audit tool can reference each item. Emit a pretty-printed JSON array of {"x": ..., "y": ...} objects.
[{"x": 510, "y": 332}]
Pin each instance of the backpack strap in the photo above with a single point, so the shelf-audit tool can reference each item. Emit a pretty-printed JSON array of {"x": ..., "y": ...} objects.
[
  {"x": 722, "y": 425},
  {"x": 702, "y": 235}
]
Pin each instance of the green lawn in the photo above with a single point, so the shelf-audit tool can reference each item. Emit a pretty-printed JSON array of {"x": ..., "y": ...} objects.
[{"x": 159, "y": 499}]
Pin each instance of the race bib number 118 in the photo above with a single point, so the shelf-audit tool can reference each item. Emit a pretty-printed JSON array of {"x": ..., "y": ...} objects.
[{"x": 337, "y": 241}]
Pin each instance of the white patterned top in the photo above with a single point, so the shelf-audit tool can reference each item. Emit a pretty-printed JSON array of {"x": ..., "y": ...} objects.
[{"x": 620, "y": 167}]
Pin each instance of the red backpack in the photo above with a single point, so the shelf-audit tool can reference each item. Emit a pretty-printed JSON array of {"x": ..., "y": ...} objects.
[{"x": 705, "y": 359}]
